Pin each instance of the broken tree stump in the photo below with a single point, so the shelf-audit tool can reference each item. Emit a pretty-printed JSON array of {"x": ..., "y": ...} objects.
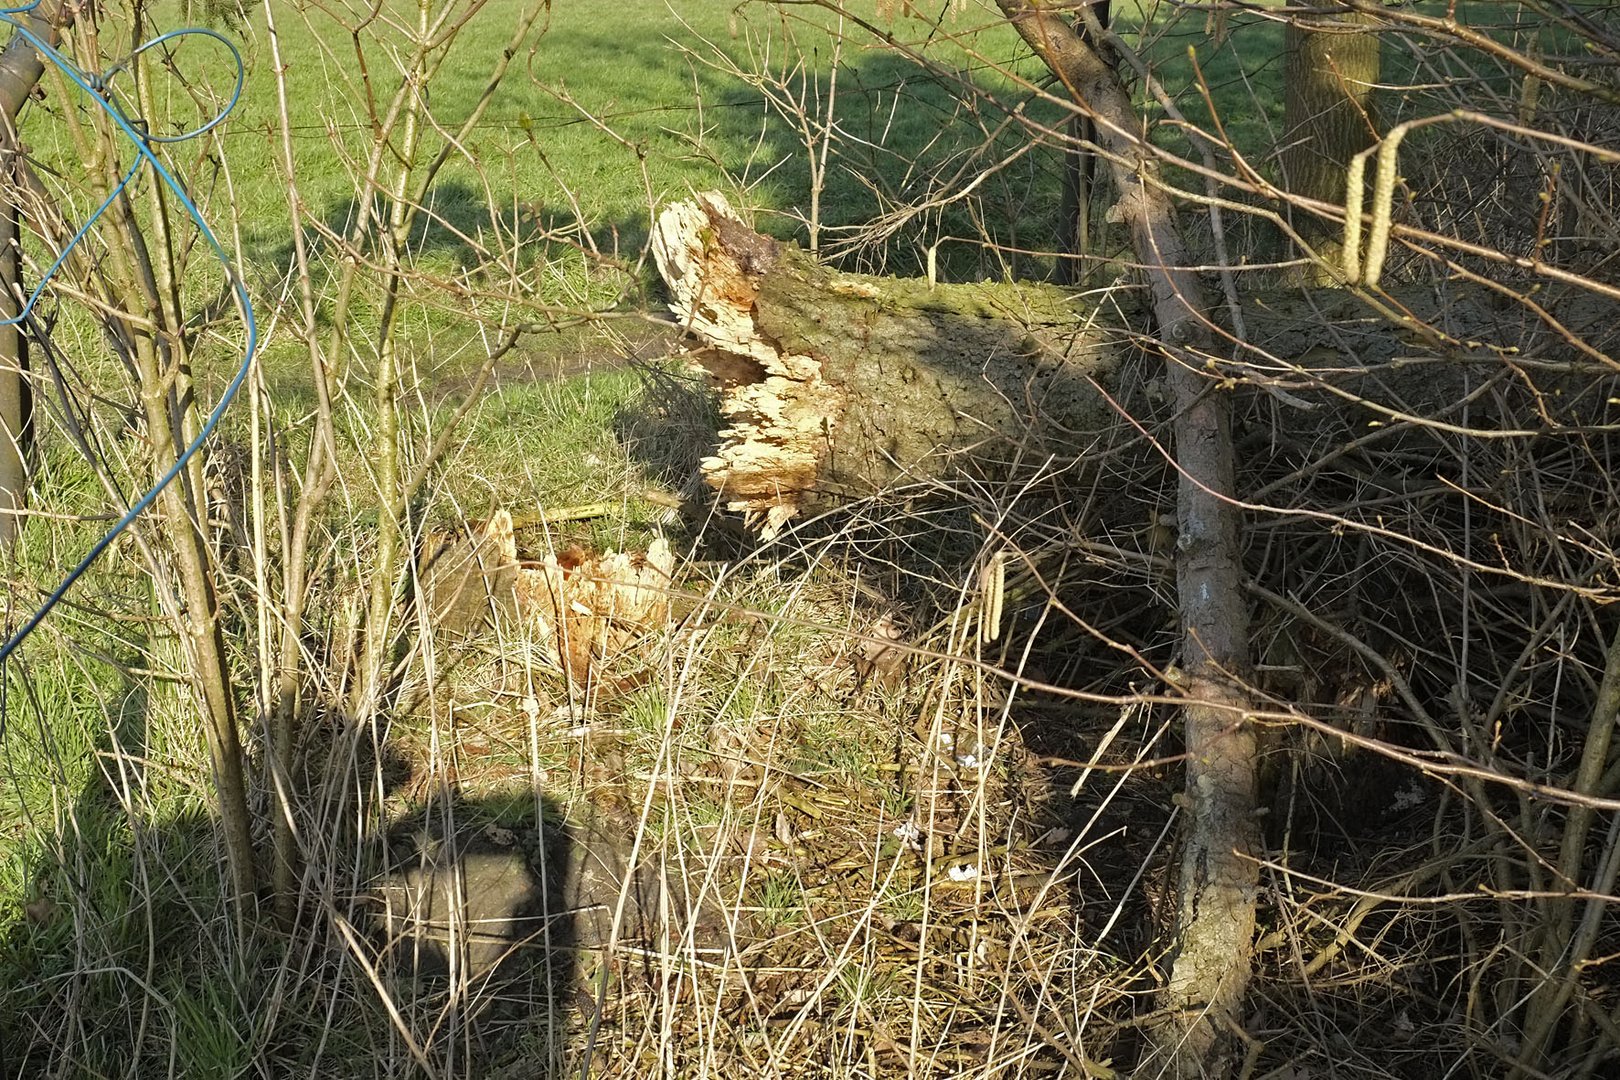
[{"x": 581, "y": 607}]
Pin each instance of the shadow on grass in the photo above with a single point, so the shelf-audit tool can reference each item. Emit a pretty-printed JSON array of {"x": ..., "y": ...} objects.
[
  {"x": 456, "y": 233},
  {"x": 907, "y": 135},
  {"x": 983, "y": 159},
  {"x": 449, "y": 932}
]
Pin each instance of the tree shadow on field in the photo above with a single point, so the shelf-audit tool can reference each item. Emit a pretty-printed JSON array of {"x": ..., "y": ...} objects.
[
  {"x": 984, "y": 156},
  {"x": 906, "y": 134},
  {"x": 455, "y": 224},
  {"x": 457, "y": 235},
  {"x": 103, "y": 934}
]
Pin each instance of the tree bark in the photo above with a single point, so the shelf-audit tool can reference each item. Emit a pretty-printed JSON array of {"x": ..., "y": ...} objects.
[
  {"x": 20, "y": 69},
  {"x": 1219, "y": 876},
  {"x": 1331, "y": 67},
  {"x": 16, "y": 399},
  {"x": 839, "y": 385},
  {"x": 1079, "y": 186},
  {"x": 835, "y": 386},
  {"x": 20, "y": 63}
]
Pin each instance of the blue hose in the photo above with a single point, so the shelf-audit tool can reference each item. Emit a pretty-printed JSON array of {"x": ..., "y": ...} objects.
[{"x": 95, "y": 87}]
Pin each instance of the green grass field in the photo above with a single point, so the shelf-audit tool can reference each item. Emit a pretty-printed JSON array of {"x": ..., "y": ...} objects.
[{"x": 616, "y": 116}]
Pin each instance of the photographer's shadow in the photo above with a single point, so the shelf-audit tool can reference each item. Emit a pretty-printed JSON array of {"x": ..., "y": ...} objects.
[{"x": 480, "y": 914}]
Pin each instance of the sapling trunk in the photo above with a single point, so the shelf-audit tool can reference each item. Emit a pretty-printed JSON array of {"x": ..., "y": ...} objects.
[
  {"x": 20, "y": 69},
  {"x": 138, "y": 283},
  {"x": 1219, "y": 876}
]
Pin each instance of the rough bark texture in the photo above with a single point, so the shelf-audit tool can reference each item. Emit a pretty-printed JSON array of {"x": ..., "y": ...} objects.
[
  {"x": 1331, "y": 65},
  {"x": 840, "y": 384},
  {"x": 1219, "y": 878},
  {"x": 20, "y": 63}
]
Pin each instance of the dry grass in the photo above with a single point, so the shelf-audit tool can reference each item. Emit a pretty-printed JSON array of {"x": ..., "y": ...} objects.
[{"x": 816, "y": 822}]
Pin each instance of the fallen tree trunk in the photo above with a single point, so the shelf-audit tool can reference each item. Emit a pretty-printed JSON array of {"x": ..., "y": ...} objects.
[{"x": 837, "y": 385}]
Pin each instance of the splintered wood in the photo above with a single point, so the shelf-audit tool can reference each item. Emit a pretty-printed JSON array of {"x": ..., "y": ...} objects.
[
  {"x": 590, "y": 608},
  {"x": 836, "y": 386},
  {"x": 582, "y": 608},
  {"x": 780, "y": 425}
]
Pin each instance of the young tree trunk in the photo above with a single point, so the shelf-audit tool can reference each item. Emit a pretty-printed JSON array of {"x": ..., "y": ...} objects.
[
  {"x": 16, "y": 404},
  {"x": 184, "y": 518},
  {"x": 1331, "y": 66},
  {"x": 1075, "y": 239},
  {"x": 139, "y": 279},
  {"x": 1219, "y": 877}
]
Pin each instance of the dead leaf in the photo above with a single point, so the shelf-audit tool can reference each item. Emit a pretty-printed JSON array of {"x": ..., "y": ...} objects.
[{"x": 880, "y": 656}]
